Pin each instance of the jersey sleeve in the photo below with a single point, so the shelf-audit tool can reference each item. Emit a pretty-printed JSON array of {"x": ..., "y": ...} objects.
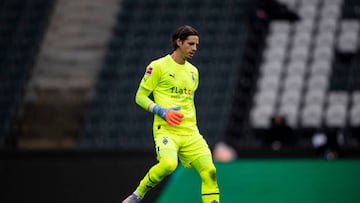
[
  {"x": 147, "y": 86},
  {"x": 142, "y": 98},
  {"x": 151, "y": 77},
  {"x": 196, "y": 75}
]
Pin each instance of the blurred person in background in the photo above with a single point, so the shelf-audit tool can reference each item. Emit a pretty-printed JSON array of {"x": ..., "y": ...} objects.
[
  {"x": 280, "y": 133},
  {"x": 327, "y": 143}
]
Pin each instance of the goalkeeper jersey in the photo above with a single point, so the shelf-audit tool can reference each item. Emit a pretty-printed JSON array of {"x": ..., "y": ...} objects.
[{"x": 173, "y": 85}]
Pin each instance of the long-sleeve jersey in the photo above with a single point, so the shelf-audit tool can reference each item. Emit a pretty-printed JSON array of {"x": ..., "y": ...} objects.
[{"x": 171, "y": 85}]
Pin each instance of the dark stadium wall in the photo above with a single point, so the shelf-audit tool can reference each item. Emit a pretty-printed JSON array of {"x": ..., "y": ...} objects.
[{"x": 72, "y": 177}]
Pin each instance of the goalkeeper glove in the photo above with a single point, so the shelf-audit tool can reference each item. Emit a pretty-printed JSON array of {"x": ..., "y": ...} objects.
[{"x": 170, "y": 115}]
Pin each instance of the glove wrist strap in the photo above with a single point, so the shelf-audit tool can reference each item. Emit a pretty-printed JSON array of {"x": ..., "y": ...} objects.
[
  {"x": 151, "y": 107},
  {"x": 158, "y": 110}
]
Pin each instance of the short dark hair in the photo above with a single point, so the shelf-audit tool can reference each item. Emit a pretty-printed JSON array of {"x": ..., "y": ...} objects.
[{"x": 182, "y": 33}]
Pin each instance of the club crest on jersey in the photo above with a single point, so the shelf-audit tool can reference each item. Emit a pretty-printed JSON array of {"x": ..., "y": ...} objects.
[
  {"x": 192, "y": 76},
  {"x": 165, "y": 141},
  {"x": 148, "y": 71}
]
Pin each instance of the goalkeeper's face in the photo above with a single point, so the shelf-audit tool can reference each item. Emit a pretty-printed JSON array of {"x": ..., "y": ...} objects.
[{"x": 188, "y": 47}]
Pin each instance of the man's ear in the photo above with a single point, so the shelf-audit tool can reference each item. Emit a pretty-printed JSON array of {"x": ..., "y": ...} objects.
[{"x": 179, "y": 42}]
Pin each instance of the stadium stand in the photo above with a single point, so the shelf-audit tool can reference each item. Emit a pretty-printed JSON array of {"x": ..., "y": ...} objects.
[
  {"x": 65, "y": 71},
  {"x": 249, "y": 69},
  {"x": 316, "y": 62},
  {"x": 23, "y": 24}
]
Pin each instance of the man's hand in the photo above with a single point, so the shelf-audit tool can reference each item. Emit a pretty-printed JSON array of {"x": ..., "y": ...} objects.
[{"x": 170, "y": 115}]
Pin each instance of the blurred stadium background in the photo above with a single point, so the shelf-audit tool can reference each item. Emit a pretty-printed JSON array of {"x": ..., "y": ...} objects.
[{"x": 70, "y": 130}]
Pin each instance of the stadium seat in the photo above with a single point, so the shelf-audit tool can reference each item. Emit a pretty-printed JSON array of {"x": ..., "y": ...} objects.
[
  {"x": 306, "y": 25},
  {"x": 290, "y": 97},
  {"x": 293, "y": 82},
  {"x": 279, "y": 27},
  {"x": 315, "y": 97},
  {"x": 297, "y": 67},
  {"x": 331, "y": 11},
  {"x": 338, "y": 97},
  {"x": 324, "y": 38},
  {"x": 320, "y": 67},
  {"x": 323, "y": 52},
  {"x": 300, "y": 52},
  {"x": 312, "y": 116},
  {"x": 278, "y": 39},
  {"x": 307, "y": 11},
  {"x": 335, "y": 2},
  {"x": 350, "y": 25},
  {"x": 354, "y": 115},
  {"x": 336, "y": 115},
  {"x": 269, "y": 83},
  {"x": 318, "y": 82},
  {"x": 271, "y": 67},
  {"x": 300, "y": 43},
  {"x": 348, "y": 41},
  {"x": 266, "y": 97},
  {"x": 290, "y": 111},
  {"x": 260, "y": 116},
  {"x": 355, "y": 97},
  {"x": 348, "y": 36},
  {"x": 327, "y": 24},
  {"x": 309, "y": 2},
  {"x": 275, "y": 53}
]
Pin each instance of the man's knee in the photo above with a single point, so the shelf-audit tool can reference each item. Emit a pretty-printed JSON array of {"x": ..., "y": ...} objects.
[
  {"x": 208, "y": 173},
  {"x": 168, "y": 165}
]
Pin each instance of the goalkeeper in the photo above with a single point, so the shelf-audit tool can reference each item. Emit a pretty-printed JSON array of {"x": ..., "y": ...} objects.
[{"x": 172, "y": 81}]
